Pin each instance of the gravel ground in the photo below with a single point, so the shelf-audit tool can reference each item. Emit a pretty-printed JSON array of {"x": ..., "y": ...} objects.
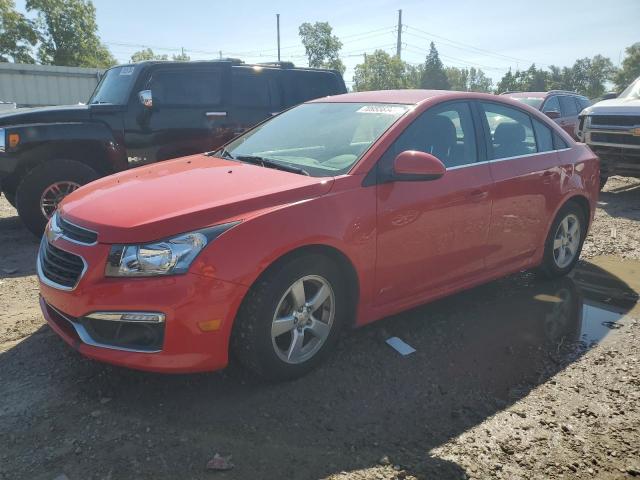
[{"x": 519, "y": 378}]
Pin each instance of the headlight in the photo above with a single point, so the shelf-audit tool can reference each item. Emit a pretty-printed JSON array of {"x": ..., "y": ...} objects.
[
  {"x": 165, "y": 257},
  {"x": 3, "y": 141}
]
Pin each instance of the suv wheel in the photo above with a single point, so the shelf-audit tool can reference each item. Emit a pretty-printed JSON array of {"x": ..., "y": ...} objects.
[
  {"x": 44, "y": 187},
  {"x": 291, "y": 318}
]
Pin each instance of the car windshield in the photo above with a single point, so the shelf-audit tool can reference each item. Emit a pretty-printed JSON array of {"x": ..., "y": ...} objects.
[
  {"x": 323, "y": 139},
  {"x": 115, "y": 85},
  {"x": 632, "y": 91},
  {"x": 535, "y": 102}
]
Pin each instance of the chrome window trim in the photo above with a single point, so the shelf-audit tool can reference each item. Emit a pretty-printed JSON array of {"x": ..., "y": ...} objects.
[
  {"x": 86, "y": 338},
  {"x": 68, "y": 239},
  {"x": 506, "y": 158},
  {"x": 51, "y": 283}
]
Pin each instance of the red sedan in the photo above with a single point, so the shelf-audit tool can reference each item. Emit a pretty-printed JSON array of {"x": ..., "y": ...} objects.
[{"x": 333, "y": 214}]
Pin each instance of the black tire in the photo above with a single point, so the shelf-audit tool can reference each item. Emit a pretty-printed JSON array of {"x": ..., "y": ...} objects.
[
  {"x": 251, "y": 339},
  {"x": 603, "y": 181},
  {"x": 549, "y": 267},
  {"x": 37, "y": 180}
]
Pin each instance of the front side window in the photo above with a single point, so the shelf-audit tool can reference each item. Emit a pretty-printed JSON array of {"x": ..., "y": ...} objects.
[
  {"x": 551, "y": 105},
  {"x": 568, "y": 106},
  {"x": 186, "y": 87},
  {"x": 115, "y": 86},
  {"x": 324, "y": 139},
  {"x": 511, "y": 131},
  {"x": 445, "y": 131}
]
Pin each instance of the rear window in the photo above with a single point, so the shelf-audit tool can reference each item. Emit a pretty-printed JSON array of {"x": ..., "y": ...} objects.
[
  {"x": 186, "y": 87},
  {"x": 535, "y": 102}
]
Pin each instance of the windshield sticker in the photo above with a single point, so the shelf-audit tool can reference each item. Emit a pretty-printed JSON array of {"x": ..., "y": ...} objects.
[
  {"x": 385, "y": 109},
  {"x": 126, "y": 71}
]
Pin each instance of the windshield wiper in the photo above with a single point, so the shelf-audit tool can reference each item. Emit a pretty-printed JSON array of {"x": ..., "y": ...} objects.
[{"x": 265, "y": 162}]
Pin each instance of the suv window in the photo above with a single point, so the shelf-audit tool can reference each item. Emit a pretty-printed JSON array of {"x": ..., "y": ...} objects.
[
  {"x": 511, "y": 131},
  {"x": 303, "y": 86},
  {"x": 186, "y": 87},
  {"x": 568, "y": 106},
  {"x": 445, "y": 131},
  {"x": 583, "y": 102},
  {"x": 250, "y": 89},
  {"x": 551, "y": 105}
]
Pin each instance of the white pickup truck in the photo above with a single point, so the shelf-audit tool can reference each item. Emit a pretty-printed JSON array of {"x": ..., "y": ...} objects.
[{"x": 612, "y": 129}]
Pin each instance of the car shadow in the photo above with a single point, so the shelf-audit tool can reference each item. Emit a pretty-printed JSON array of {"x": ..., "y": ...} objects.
[
  {"x": 477, "y": 353},
  {"x": 24, "y": 247},
  {"x": 623, "y": 201}
]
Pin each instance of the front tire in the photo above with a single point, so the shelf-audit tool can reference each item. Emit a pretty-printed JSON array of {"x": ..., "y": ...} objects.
[
  {"x": 43, "y": 187},
  {"x": 564, "y": 241},
  {"x": 291, "y": 318}
]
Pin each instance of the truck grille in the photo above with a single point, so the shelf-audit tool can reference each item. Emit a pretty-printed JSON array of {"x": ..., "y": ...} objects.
[
  {"x": 59, "y": 267},
  {"x": 76, "y": 233},
  {"x": 615, "y": 138},
  {"x": 615, "y": 120}
]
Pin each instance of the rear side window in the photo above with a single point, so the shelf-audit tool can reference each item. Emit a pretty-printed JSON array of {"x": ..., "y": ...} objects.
[
  {"x": 301, "y": 86},
  {"x": 511, "y": 131},
  {"x": 250, "y": 89},
  {"x": 186, "y": 87},
  {"x": 568, "y": 106},
  {"x": 544, "y": 137},
  {"x": 558, "y": 142},
  {"x": 551, "y": 105}
]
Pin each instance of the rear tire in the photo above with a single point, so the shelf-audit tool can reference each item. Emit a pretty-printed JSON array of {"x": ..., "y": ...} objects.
[
  {"x": 256, "y": 339},
  {"x": 564, "y": 241},
  {"x": 41, "y": 179}
]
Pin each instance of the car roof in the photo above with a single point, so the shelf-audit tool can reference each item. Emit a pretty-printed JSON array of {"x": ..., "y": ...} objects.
[
  {"x": 526, "y": 94},
  {"x": 409, "y": 96}
]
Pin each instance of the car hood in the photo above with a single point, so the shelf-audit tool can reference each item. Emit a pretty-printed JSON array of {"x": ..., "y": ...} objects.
[
  {"x": 176, "y": 196},
  {"x": 66, "y": 113},
  {"x": 615, "y": 106}
]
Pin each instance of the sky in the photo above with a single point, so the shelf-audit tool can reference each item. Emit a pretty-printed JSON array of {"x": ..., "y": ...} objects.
[{"x": 492, "y": 35}]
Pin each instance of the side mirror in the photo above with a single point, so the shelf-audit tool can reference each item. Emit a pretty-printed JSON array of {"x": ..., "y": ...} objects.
[
  {"x": 609, "y": 95},
  {"x": 552, "y": 114},
  {"x": 412, "y": 165},
  {"x": 146, "y": 98}
]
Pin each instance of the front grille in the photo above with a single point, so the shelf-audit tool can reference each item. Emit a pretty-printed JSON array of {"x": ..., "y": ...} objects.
[
  {"x": 615, "y": 120},
  {"x": 76, "y": 233},
  {"x": 617, "y": 138},
  {"x": 60, "y": 267}
]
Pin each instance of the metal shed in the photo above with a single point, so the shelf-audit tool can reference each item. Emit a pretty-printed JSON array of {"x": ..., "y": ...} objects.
[{"x": 37, "y": 85}]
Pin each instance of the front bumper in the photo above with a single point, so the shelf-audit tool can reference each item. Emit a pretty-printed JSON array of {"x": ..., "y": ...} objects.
[{"x": 188, "y": 301}]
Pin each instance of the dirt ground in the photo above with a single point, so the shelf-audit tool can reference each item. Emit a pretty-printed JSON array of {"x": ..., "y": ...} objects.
[{"x": 520, "y": 378}]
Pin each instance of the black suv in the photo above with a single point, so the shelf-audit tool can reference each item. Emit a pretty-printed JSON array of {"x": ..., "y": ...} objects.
[{"x": 142, "y": 113}]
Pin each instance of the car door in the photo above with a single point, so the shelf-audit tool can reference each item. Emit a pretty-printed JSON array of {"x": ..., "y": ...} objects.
[
  {"x": 432, "y": 234},
  {"x": 569, "y": 118},
  {"x": 255, "y": 96},
  {"x": 525, "y": 170},
  {"x": 190, "y": 112}
]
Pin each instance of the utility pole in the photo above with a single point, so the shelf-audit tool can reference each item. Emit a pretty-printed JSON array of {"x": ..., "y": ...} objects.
[
  {"x": 278, "y": 25},
  {"x": 399, "y": 45},
  {"x": 220, "y": 53}
]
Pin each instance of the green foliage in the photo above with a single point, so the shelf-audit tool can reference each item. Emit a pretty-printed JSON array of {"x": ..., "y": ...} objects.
[
  {"x": 380, "y": 71},
  {"x": 321, "y": 46},
  {"x": 468, "y": 79},
  {"x": 181, "y": 57},
  {"x": 433, "y": 75},
  {"x": 147, "y": 54},
  {"x": 630, "y": 67},
  {"x": 17, "y": 35},
  {"x": 69, "y": 34}
]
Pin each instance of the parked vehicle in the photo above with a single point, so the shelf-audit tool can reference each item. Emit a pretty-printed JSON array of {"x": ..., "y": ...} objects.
[
  {"x": 559, "y": 105},
  {"x": 612, "y": 129},
  {"x": 138, "y": 114},
  {"x": 335, "y": 213}
]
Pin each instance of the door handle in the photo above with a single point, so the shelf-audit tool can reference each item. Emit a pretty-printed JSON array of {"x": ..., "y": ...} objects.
[
  {"x": 547, "y": 176},
  {"x": 216, "y": 114},
  {"x": 478, "y": 195}
]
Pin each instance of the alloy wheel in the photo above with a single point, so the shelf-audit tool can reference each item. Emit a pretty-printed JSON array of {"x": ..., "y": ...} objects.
[
  {"x": 53, "y": 195},
  {"x": 566, "y": 241}
]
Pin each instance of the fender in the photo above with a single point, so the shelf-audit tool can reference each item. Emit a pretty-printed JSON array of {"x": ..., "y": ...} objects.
[{"x": 47, "y": 139}]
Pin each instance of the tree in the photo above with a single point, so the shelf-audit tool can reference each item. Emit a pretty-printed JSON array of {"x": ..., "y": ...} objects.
[
  {"x": 17, "y": 35},
  {"x": 508, "y": 82},
  {"x": 321, "y": 46},
  {"x": 380, "y": 71},
  {"x": 630, "y": 69},
  {"x": 479, "y": 82},
  {"x": 434, "y": 76},
  {"x": 181, "y": 57},
  {"x": 458, "y": 78},
  {"x": 69, "y": 34},
  {"x": 468, "y": 79},
  {"x": 147, "y": 54}
]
